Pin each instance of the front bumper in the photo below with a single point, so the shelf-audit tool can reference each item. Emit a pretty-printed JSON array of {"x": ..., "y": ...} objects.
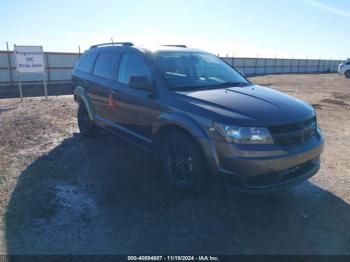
[
  {"x": 273, "y": 181},
  {"x": 267, "y": 168}
]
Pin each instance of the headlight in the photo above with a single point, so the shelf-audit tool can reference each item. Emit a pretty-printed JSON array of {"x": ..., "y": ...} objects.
[{"x": 244, "y": 135}]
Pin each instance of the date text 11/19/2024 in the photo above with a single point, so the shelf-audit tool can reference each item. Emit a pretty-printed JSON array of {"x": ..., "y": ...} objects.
[{"x": 173, "y": 258}]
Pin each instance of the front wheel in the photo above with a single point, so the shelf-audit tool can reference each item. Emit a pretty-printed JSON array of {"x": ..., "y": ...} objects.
[
  {"x": 347, "y": 74},
  {"x": 182, "y": 163},
  {"x": 86, "y": 126}
]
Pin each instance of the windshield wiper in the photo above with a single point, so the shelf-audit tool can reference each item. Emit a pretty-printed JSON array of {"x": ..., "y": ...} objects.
[
  {"x": 232, "y": 83},
  {"x": 216, "y": 86},
  {"x": 188, "y": 88},
  {"x": 224, "y": 85}
]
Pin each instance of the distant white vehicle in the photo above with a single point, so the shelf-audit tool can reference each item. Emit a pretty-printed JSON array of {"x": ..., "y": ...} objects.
[{"x": 344, "y": 68}]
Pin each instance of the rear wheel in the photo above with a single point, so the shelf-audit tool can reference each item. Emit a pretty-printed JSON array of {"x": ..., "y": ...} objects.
[
  {"x": 347, "y": 74},
  {"x": 86, "y": 126},
  {"x": 182, "y": 163}
]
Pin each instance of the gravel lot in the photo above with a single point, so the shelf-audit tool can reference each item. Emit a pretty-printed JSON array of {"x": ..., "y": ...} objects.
[{"x": 61, "y": 193}]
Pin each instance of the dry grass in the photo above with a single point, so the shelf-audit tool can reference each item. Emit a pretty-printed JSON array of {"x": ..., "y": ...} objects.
[{"x": 32, "y": 129}]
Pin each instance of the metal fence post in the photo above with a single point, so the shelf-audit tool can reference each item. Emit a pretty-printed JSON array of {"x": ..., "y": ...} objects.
[
  {"x": 244, "y": 66},
  {"x": 233, "y": 59},
  {"x": 45, "y": 85},
  {"x": 256, "y": 64},
  {"x": 332, "y": 66},
  {"x": 47, "y": 67},
  {"x": 20, "y": 86},
  {"x": 9, "y": 63}
]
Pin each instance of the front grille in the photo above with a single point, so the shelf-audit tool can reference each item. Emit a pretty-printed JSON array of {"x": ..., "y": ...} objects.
[
  {"x": 294, "y": 134},
  {"x": 280, "y": 177}
]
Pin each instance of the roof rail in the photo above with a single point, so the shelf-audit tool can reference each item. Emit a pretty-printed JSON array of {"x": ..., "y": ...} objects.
[
  {"x": 183, "y": 46},
  {"x": 113, "y": 43}
]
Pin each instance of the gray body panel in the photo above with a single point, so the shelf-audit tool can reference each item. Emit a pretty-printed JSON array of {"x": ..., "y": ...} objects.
[{"x": 140, "y": 117}]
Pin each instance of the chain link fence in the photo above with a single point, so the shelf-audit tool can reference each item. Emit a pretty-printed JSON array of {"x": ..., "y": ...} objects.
[{"x": 59, "y": 67}]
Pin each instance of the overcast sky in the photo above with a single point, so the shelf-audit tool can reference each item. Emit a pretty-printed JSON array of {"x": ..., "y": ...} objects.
[{"x": 300, "y": 28}]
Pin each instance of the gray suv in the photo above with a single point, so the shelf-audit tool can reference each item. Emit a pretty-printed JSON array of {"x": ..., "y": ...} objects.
[{"x": 201, "y": 119}]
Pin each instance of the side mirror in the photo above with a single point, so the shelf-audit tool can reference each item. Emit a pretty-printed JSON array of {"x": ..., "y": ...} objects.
[{"x": 141, "y": 82}]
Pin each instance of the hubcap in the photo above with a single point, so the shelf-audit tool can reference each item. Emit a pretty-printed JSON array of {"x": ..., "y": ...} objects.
[{"x": 180, "y": 163}]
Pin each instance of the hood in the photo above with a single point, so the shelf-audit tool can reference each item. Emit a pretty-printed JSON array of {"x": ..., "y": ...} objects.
[{"x": 251, "y": 105}]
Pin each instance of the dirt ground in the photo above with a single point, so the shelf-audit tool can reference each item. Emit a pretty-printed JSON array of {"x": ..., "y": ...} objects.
[{"x": 61, "y": 193}]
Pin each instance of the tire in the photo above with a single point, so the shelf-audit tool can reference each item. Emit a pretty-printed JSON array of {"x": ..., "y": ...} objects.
[
  {"x": 347, "y": 74},
  {"x": 182, "y": 163},
  {"x": 86, "y": 126}
]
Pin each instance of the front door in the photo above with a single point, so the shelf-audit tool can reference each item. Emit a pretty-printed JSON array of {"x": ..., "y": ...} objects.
[{"x": 135, "y": 110}]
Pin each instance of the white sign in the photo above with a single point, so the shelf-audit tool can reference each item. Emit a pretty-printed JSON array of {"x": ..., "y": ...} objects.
[{"x": 29, "y": 59}]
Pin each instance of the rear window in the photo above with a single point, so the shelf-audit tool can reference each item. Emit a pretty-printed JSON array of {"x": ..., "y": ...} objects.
[
  {"x": 105, "y": 65},
  {"x": 86, "y": 62}
]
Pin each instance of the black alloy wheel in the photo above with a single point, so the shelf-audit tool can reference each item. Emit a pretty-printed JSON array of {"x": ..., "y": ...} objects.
[{"x": 182, "y": 162}]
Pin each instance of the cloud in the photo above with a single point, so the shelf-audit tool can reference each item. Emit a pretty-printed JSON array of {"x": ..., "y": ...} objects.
[{"x": 328, "y": 8}]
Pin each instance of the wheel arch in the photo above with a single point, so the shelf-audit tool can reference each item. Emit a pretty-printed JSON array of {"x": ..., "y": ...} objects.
[
  {"x": 347, "y": 72},
  {"x": 177, "y": 122},
  {"x": 80, "y": 96}
]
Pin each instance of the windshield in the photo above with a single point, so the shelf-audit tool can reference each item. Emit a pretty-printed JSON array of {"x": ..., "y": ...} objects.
[{"x": 194, "y": 70}]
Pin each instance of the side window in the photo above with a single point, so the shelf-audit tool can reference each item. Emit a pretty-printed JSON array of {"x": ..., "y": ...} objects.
[
  {"x": 348, "y": 63},
  {"x": 132, "y": 65},
  {"x": 105, "y": 65},
  {"x": 86, "y": 62}
]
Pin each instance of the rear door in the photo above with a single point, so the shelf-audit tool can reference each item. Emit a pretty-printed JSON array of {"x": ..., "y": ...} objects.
[
  {"x": 83, "y": 70},
  {"x": 104, "y": 72}
]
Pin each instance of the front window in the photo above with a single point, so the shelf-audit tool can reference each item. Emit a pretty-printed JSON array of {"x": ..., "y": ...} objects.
[
  {"x": 132, "y": 65},
  {"x": 196, "y": 70}
]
